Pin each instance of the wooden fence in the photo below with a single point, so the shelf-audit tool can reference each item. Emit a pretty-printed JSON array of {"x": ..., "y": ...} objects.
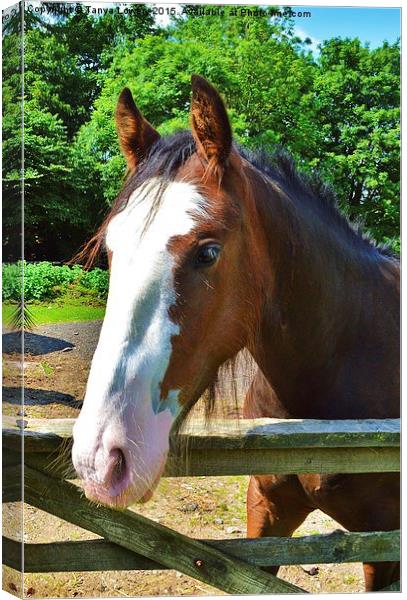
[{"x": 245, "y": 447}]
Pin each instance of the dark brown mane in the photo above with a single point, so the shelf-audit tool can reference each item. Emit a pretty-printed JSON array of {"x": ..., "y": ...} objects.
[
  {"x": 169, "y": 153},
  {"x": 280, "y": 167}
]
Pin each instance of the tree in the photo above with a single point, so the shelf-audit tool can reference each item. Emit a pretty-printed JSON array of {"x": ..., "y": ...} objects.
[
  {"x": 358, "y": 117},
  {"x": 338, "y": 113},
  {"x": 12, "y": 111},
  {"x": 65, "y": 57},
  {"x": 248, "y": 60}
]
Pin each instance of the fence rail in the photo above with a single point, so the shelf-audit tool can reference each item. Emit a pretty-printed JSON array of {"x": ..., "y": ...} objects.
[
  {"x": 96, "y": 555},
  {"x": 244, "y": 447}
]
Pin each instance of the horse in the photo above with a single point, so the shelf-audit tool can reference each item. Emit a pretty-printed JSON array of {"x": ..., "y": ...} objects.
[{"x": 213, "y": 249}]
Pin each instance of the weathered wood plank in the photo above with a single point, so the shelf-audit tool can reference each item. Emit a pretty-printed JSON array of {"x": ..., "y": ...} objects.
[
  {"x": 45, "y": 435},
  {"x": 245, "y": 448},
  {"x": 40, "y": 435},
  {"x": 12, "y": 554},
  {"x": 286, "y": 461},
  {"x": 337, "y": 547},
  {"x": 254, "y": 462},
  {"x": 92, "y": 555},
  {"x": 290, "y": 433},
  {"x": 99, "y": 555},
  {"x": 151, "y": 539},
  {"x": 11, "y": 457},
  {"x": 12, "y": 483}
]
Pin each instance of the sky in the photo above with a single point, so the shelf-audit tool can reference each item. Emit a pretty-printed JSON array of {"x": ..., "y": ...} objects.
[{"x": 373, "y": 25}]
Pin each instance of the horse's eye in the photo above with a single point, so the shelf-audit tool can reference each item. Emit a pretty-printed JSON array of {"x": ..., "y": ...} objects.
[{"x": 207, "y": 255}]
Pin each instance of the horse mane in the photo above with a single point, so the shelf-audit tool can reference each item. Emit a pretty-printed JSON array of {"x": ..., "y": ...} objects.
[
  {"x": 280, "y": 167},
  {"x": 169, "y": 153}
]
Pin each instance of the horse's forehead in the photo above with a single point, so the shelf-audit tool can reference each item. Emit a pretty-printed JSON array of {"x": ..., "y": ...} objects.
[{"x": 180, "y": 207}]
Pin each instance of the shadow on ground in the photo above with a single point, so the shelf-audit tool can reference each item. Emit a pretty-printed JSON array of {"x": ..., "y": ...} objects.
[
  {"x": 35, "y": 397},
  {"x": 34, "y": 343}
]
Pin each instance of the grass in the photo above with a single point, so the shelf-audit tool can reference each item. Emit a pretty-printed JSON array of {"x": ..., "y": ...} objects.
[
  {"x": 69, "y": 303},
  {"x": 51, "y": 312},
  {"x": 47, "y": 368}
]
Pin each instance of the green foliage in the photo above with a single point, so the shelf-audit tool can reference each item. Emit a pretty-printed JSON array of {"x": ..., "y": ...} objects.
[
  {"x": 44, "y": 280},
  {"x": 96, "y": 280},
  {"x": 12, "y": 276},
  {"x": 234, "y": 54},
  {"x": 338, "y": 112},
  {"x": 47, "y": 368},
  {"x": 64, "y": 61},
  {"x": 358, "y": 115},
  {"x": 12, "y": 139},
  {"x": 41, "y": 278}
]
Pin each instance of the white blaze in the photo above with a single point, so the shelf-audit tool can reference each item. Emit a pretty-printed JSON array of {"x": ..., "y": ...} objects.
[{"x": 122, "y": 405}]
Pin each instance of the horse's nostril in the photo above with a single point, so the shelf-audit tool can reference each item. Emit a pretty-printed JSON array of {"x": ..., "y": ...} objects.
[{"x": 119, "y": 468}]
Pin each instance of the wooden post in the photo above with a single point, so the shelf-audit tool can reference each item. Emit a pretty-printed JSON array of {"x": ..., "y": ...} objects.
[
  {"x": 152, "y": 540},
  {"x": 99, "y": 555}
]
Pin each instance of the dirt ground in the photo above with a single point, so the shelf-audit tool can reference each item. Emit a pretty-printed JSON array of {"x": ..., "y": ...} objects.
[{"x": 56, "y": 367}]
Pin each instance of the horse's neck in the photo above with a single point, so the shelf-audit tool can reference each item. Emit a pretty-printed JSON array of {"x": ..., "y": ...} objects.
[{"x": 320, "y": 307}]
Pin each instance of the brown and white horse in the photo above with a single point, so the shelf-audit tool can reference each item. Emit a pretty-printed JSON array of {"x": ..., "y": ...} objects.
[{"x": 212, "y": 250}]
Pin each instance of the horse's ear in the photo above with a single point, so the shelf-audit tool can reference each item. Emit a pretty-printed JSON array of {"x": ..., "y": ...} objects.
[
  {"x": 210, "y": 124},
  {"x": 136, "y": 135}
]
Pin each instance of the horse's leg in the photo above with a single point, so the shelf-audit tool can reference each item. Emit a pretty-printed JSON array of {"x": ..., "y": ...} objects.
[
  {"x": 276, "y": 506},
  {"x": 363, "y": 502},
  {"x": 380, "y": 575}
]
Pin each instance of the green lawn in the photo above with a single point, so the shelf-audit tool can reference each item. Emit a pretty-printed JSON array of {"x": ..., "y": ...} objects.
[{"x": 47, "y": 312}]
